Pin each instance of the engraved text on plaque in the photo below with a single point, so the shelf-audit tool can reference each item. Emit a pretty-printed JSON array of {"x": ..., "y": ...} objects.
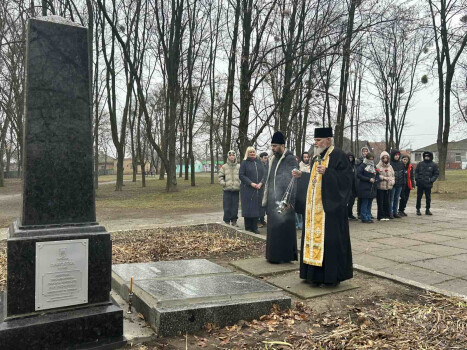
[{"x": 61, "y": 273}]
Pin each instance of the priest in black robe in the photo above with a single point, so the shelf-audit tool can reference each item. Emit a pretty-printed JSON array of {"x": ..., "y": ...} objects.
[
  {"x": 281, "y": 239},
  {"x": 322, "y": 195}
]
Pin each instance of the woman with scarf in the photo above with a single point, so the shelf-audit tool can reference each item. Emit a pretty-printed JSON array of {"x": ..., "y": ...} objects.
[
  {"x": 386, "y": 182},
  {"x": 251, "y": 175},
  {"x": 369, "y": 179}
]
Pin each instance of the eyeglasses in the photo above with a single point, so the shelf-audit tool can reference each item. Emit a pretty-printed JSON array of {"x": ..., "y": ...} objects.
[{"x": 231, "y": 153}]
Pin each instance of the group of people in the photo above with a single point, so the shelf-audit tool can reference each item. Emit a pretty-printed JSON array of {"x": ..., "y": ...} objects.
[
  {"x": 319, "y": 194},
  {"x": 390, "y": 182}
]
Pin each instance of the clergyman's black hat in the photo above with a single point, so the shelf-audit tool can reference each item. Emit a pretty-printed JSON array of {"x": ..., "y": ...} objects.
[
  {"x": 322, "y": 133},
  {"x": 278, "y": 138}
]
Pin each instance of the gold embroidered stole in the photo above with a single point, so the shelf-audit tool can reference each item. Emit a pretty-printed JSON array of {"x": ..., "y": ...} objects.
[{"x": 315, "y": 217}]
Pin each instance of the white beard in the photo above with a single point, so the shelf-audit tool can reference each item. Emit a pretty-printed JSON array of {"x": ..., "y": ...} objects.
[{"x": 318, "y": 150}]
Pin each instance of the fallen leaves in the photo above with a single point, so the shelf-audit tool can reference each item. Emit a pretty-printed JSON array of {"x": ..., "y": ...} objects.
[
  {"x": 429, "y": 321},
  {"x": 200, "y": 241}
]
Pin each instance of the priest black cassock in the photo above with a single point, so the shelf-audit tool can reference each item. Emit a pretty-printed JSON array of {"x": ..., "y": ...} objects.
[
  {"x": 326, "y": 254},
  {"x": 281, "y": 240}
]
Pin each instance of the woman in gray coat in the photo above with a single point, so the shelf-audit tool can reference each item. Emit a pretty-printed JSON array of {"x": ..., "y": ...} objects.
[{"x": 251, "y": 189}]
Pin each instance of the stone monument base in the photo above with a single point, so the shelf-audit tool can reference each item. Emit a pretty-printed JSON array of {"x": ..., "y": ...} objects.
[
  {"x": 89, "y": 322},
  {"x": 182, "y": 296},
  {"x": 90, "y": 327}
]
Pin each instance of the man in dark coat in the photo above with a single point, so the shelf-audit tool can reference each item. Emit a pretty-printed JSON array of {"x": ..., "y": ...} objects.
[
  {"x": 281, "y": 240},
  {"x": 326, "y": 254},
  {"x": 426, "y": 173},
  {"x": 400, "y": 181}
]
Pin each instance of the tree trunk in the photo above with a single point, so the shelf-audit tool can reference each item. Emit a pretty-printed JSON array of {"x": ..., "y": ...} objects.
[
  {"x": 342, "y": 106},
  {"x": 120, "y": 157},
  {"x": 228, "y": 105}
]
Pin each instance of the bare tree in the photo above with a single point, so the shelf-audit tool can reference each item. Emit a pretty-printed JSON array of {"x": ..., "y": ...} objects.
[
  {"x": 449, "y": 26},
  {"x": 396, "y": 52}
]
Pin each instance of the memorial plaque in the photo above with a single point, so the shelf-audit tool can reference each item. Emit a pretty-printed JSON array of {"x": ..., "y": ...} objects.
[{"x": 61, "y": 273}]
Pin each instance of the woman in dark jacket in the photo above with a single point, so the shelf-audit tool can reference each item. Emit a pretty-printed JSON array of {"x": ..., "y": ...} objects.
[
  {"x": 252, "y": 176},
  {"x": 367, "y": 186}
]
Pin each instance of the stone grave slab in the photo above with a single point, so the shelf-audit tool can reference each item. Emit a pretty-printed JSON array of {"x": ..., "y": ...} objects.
[
  {"x": 160, "y": 270},
  {"x": 292, "y": 283},
  {"x": 261, "y": 267},
  {"x": 212, "y": 294}
]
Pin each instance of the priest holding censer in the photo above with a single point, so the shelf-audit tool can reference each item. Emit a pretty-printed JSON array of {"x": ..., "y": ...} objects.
[{"x": 322, "y": 195}]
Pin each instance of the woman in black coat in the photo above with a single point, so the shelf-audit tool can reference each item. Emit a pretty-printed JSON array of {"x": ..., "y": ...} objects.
[{"x": 252, "y": 176}]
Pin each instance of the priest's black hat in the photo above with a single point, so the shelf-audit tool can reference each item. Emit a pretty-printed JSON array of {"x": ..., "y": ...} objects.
[
  {"x": 322, "y": 133},
  {"x": 278, "y": 138}
]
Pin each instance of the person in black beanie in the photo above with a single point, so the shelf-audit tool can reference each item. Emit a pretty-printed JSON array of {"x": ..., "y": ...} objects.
[
  {"x": 426, "y": 173},
  {"x": 322, "y": 196},
  {"x": 281, "y": 240}
]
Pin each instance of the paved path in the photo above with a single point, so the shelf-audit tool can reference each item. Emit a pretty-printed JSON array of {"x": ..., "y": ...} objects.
[{"x": 431, "y": 250}]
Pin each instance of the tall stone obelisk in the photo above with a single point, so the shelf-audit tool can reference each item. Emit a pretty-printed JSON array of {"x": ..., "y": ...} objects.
[{"x": 59, "y": 258}]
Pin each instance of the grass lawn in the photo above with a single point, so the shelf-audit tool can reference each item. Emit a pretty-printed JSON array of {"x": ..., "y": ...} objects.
[
  {"x": 455, "y": 186},
  {"x": 204, "y": 197}
]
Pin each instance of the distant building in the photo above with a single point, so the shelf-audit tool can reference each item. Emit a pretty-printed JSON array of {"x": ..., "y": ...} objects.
[
  {"x": 106, "y": 164},
  {"x": 128, "y": 167},
  {"x": 456, "y": 157}
]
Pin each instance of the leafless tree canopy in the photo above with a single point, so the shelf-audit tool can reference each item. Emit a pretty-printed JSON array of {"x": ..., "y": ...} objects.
[{"x": 179, "y": 82}]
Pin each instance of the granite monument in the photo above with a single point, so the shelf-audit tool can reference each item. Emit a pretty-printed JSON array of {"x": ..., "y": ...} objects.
[{"x": 59, "y": 257}]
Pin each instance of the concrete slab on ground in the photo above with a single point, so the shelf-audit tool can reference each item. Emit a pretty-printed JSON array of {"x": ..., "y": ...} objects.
[
  {"x": 402, "y": 255},
  {"x": 457, "y": 285},
  {"x": 461, "y": 257},
  {"x": 457, "y": 243},
  {"x": 417, "y": 274},
  {"x": 372, "y": 261},
  {"x": 399, "y": 242},
  {"x": 437, "y": 249},
  {"x": 173, "y": 305},
  {"x": 457, "y": 233},
  {"x": 364, "y": 247},
  {"x": 448, "y": 266},
  {"x": 292, "y": 283},
  {"x": 261, "y": 267},
  {"x": 367, "y": 235},
  {"x": 428, "y": 237}
]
